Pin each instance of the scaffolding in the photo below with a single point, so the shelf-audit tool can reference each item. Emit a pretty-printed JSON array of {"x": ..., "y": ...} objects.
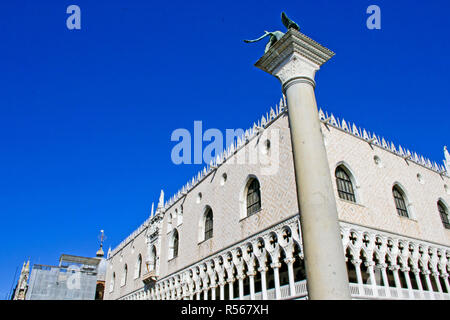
[{"x": 74, "y": 279}]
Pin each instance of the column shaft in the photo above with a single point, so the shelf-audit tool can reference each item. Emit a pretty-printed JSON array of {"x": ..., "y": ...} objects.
[{"x": 325, "y": 266}]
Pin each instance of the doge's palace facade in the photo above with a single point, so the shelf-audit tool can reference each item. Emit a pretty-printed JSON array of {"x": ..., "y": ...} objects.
[{"x": 233, "y": 231}]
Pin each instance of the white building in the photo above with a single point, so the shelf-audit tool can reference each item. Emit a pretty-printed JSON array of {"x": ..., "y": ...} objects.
[{"x": 233, "y": 231}]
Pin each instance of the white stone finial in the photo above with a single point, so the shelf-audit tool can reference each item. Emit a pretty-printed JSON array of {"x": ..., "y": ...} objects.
[
  {"x": 153, "y": 209},
  {"x": 161, "y": 200},
  {"x": 447, "y": 159}
]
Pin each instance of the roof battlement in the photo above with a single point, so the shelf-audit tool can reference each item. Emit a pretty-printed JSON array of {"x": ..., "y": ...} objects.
[
  {"x": 272, "y": 115},
  {"x": 374, "y": 139}
]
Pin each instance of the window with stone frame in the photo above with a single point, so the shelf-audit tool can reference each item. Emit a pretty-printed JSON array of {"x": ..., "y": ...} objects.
[
  {"x": 208, "y": 224},
  {"x": 344, "y": 185},
  {"x": 174, "y": 245},
  {"x": 444, "y": 214},
  {"x": 138, "y": 270},
  {"x": 253, "y": 197},
  {"x": 400, "y": 202},
  {"x": 125, "y": 275}
]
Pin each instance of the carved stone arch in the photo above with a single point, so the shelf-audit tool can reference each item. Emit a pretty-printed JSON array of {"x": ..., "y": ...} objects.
[
  {"x": 442, "y": 262},
  {"x": 285, "y": 235},
  {"x": 380, "y": 245},
  {"x": 392, "y": 247},
  {"x": 210, "y": 267},
  {"x": 271, "y": 241},
  {"x": 355, "y": 183},
  {"x": 404, "y": 253},
  {"x": 298, "y": 251},
  {"x": 379, "y": 257},
  {"x": 249, "y": 256},
  {"x": 368, "y": 241},
  {"x": 402, "y": 261},
  {"x": 365, "y": 254},
  {"x": 345, "y": 234},
  {"x": 260, "y": 252},
  {"x": 355, "y": 243}
]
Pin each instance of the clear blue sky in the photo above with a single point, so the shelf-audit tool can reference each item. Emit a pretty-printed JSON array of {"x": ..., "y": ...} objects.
[{"x": 86, "y": 116}]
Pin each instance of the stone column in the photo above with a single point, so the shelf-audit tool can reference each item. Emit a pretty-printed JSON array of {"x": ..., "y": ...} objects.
[
  {"x": 222, "y": 290},
  {"x": 370, "y": 268},
  {"x": 276, "y": 277},
  {"x": 436, "y": 280},
  {"x": 263, "y": 271},
  {"x": 382, "y": 267},
  {"x": 230, "y": 288},
  {"x": 251, "y": 277},
  {"x": 357, "y": 264},
  {"x": 408, "y": 281},
  {"x": 241, "y": 286},
  {"x": 427, "y": 279},
  {"x": 445, "y": 277},
  {"x": 290, "y": 264},
  {"x": 294, "y": 60},
  {"x": 213, "y": 292},
  {"x": 416, "y": 272},
  {"x": 398, "y": 285}
]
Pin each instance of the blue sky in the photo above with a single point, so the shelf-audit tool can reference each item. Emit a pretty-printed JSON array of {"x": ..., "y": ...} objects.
[{"x": 86, "y": 115}]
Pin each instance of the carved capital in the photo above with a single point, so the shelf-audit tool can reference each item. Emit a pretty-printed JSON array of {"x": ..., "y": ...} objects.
[
  {"x": 294, "y": 57},
  {"x": 356, "y": 262},
  {"x": 263, "y": 269},
  {"x": 289, "y": 260},
  {"x": 394, "y": 268},
  {"x": 275, "y": 265}
]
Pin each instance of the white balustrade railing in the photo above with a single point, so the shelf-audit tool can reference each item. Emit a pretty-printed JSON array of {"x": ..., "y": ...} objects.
[
  {"x": 395, "y": 293},
  {"x": 357, "y": 291}
]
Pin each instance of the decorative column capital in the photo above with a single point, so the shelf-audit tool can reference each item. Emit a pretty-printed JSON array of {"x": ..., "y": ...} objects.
[
  {"x": 231, "y": 280},
  {"x": 263, "y": 269},
  {"x": 295, "y": 57},
  {"x": 382, "y": 265},
  {"x": 275, "y": 265},
  {"x": 289, "y": 260},
  {"x": 405, "y": 269},
  {"x": 436, "y": 274},
  {"x": 426, "y": 272},
  {"x": 356, "y": 262},
  {"x": 369, "y": 264},
  {"x": 241, "y": 276},
  {"x": 394, "y": 268}
]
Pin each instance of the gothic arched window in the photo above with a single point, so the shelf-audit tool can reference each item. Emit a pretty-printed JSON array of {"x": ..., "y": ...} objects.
[
  {"x": 138, "y": 270},
  {"x": 173, "y": 248},
  {"x": 208, "y": 224},
  {"x": 154, "y": 257},
  {"x": 344, "y": 185},
  {"x": 400, "y": 202},
  {"x": 444, "y": 214},
  {"x": 253, "y": 197},
  {"x": 125, "y": 273},
  {"x": 113, "y": 282}
]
